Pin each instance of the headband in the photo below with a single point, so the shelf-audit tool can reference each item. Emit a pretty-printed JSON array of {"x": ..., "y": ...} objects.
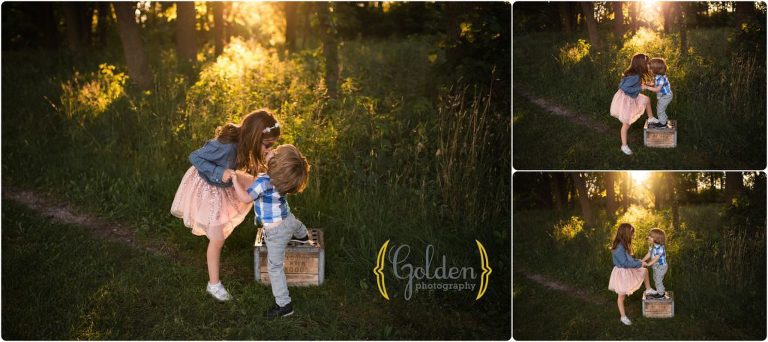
[{"x": 269, "y": 129}]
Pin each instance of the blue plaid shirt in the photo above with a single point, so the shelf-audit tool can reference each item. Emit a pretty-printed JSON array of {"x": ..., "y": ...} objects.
[
  {"x": 663, "y": 82},
  {"x": 268, "y": 204},
  {"x": 660, "y": 250}
]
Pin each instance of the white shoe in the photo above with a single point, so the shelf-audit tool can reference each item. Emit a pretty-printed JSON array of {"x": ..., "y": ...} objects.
[
  {"x": 653, "y": 120},
  {"x": 650, "y": 292},
  {"x": 625, "y": 320},
  {"x": 626, "y": 150},
  {"x": 218, "y": 292}
]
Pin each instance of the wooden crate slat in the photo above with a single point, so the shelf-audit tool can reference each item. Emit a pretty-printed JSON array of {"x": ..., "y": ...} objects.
[
  {"x": 660, "y": 137},
  {"x": 304, "y": 263},
  {"x": 659, "y": 308}
]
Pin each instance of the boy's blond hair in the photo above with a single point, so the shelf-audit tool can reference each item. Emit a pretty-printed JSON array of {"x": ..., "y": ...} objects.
[
  {"x": 658, "y": 66},
  {"x": 658, "y": 236},
  {"x": 288, "y": 170}
]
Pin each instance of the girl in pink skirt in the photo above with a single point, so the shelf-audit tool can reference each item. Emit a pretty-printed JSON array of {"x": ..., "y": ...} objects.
[
  {"x": 628, "y": 103},
  {"x": 206, "y": 200},
  {"x": 628, "y": 273}
]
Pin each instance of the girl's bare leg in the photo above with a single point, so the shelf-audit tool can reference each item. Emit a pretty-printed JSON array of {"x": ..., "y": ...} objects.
[
  {"x": 214, "y": 256},
  {"x": 620, "y": 302},
  {"x": 624, "y": 130},
  {"x": 647, "y": 281},
  {"x": 648, "y": 110}
]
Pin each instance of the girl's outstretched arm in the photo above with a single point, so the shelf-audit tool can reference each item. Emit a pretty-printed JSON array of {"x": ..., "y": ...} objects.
[
  {"x": 647, "y": 255},
  {"x": 653, "y": 89},
  {"x": 654, "y": 260}
]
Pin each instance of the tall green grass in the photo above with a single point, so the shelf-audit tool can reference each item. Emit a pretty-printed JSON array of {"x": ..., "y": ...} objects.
[
  {"x": 396, "y": 156},
  {"x": 716, "y": 276},
  {"x": 719, "y": 92}
]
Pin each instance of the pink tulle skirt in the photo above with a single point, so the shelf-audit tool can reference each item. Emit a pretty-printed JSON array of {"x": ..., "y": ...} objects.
[
  {"x": 626, "y": 280},
  {"x": 627, "y": 109},
  {"x": 206, "y": 209}
]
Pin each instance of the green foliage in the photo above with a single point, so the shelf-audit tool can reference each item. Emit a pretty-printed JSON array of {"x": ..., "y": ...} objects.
[
  {"x": 718, "y": 276},
  {"x": 715, "y": 86},
  {"x": 376, "y": 174}
]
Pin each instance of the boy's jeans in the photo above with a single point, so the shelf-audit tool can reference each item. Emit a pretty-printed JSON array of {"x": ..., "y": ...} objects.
[
  {"x": 661, "y": 107},
  {"x": 277, "y": 238},
  {"x": 658, "y": 276}
]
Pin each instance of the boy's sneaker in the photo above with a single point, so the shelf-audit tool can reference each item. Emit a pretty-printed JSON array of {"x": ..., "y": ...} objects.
[
  {"x": 653, "y": 120},
  {"x": 301, "y": 240},
  {"x": 279, "y": 311},
  {"x": 625, "y": 320},
  {"x": 626, "y": 150},
  {"x": 649, "y": 292},
  {"x": 218, "y": 292},
  {"x": 659, "y": 295}
]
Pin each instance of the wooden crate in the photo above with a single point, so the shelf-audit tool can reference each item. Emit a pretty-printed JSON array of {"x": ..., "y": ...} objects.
[
  {"x": 659, "y": 308},
  {"x": 304, "y": 263},
  {"x": 664, "y": 137}
]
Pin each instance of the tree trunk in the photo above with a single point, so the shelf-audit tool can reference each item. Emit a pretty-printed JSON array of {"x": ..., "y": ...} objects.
[
  {"x": 581, "y": 189},
  {"x": 72, "y": 27},
  {"x": 734, "y": 184},
  {"x": 556, "y": 184},
  {"x": 626, "y": 188},
  {"x": 186, "y": 49},
  {"x": 681, "y": 19},
  {"x": 588, "y": 10},
  {"x": 133, "y": 48},
  {"x": 618, "y": 21},
  {"x": 218, "y": 27},
  {"x": 743, "y": 11},
  {"x": 565, "y": 17},
  {"x": 46, "y": 21},
  {"x": 634, "y": 24},
  {"x": 290, "y": 25},
  {"x": 610, "y": 194},
  {"x": 659, "y": 186},
  {"x": 674, "y": 196},
  {"x": 667, "y": 10},
  {"x": 330, "y": 47},
  {"x": 102, "y": 25},
  {"x": 85, "y": 22}
]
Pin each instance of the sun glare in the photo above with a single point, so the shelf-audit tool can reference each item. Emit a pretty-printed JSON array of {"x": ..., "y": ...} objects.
[{"x": 639, "y": 177}]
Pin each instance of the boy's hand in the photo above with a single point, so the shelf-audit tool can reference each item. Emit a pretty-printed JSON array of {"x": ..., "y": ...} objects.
[{"x": 227, "y": 176}]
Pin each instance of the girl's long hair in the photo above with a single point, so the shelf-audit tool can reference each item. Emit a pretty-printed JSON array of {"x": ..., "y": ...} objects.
[
  {"x": 638, "y": 66},
  {"x": 624, "y": 237},
  {"x": 249, "y": 136}
]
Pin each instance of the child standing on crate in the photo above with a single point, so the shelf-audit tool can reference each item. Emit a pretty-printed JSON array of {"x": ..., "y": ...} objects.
[
  {"x": 628, "y": 273},
  {"x": 657, "y": 253},
  {"x": 205, "y": 200},
  {"x": 287, "y": 173},
  {"x": 661, "y": 87}
]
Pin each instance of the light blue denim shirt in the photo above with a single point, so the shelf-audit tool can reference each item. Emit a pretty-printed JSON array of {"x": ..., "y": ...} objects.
[
  {"x": 212, "y": 159},
  {"x": 622, "y": 259}
]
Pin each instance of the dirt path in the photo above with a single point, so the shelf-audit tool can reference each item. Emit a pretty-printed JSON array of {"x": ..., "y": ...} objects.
[
  {"x": 59, "y": 211},
  {"x": 560, "y": 111},
  {"x": 558, "y": 286}
]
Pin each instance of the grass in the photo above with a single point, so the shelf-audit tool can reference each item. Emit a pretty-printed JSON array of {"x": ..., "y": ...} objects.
[
  {"x": 376, "y": 176},
  {"x": 718, "y": 278},
  {"x": 719, "y": 99},
  {"x": 62, "y": 283}
]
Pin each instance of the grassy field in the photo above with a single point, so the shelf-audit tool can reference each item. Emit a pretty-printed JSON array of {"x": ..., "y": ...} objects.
[
  {"x": 719, "y": 102},
  {"x": 718, "y": 277},
  {"x": 379, "y": 154}
]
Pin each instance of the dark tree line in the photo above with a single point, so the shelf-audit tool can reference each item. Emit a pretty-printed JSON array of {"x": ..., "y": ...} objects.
[
  {"x": 614, "y": 192},
  {"x": 676, "y": 17},
  {"x": 475, "y": 36}
]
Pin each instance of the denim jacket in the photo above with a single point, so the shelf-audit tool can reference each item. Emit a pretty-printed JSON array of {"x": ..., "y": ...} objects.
[
  {"x": 622, "y": 259},
  {"x": 631, "y": 85},
  {"x": 212, "y": 159}
]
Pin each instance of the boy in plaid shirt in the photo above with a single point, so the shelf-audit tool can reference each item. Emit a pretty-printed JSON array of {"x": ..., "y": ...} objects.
[
  {"x": 287, "y": 173},
  {"x": 661, "y": 87}
]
